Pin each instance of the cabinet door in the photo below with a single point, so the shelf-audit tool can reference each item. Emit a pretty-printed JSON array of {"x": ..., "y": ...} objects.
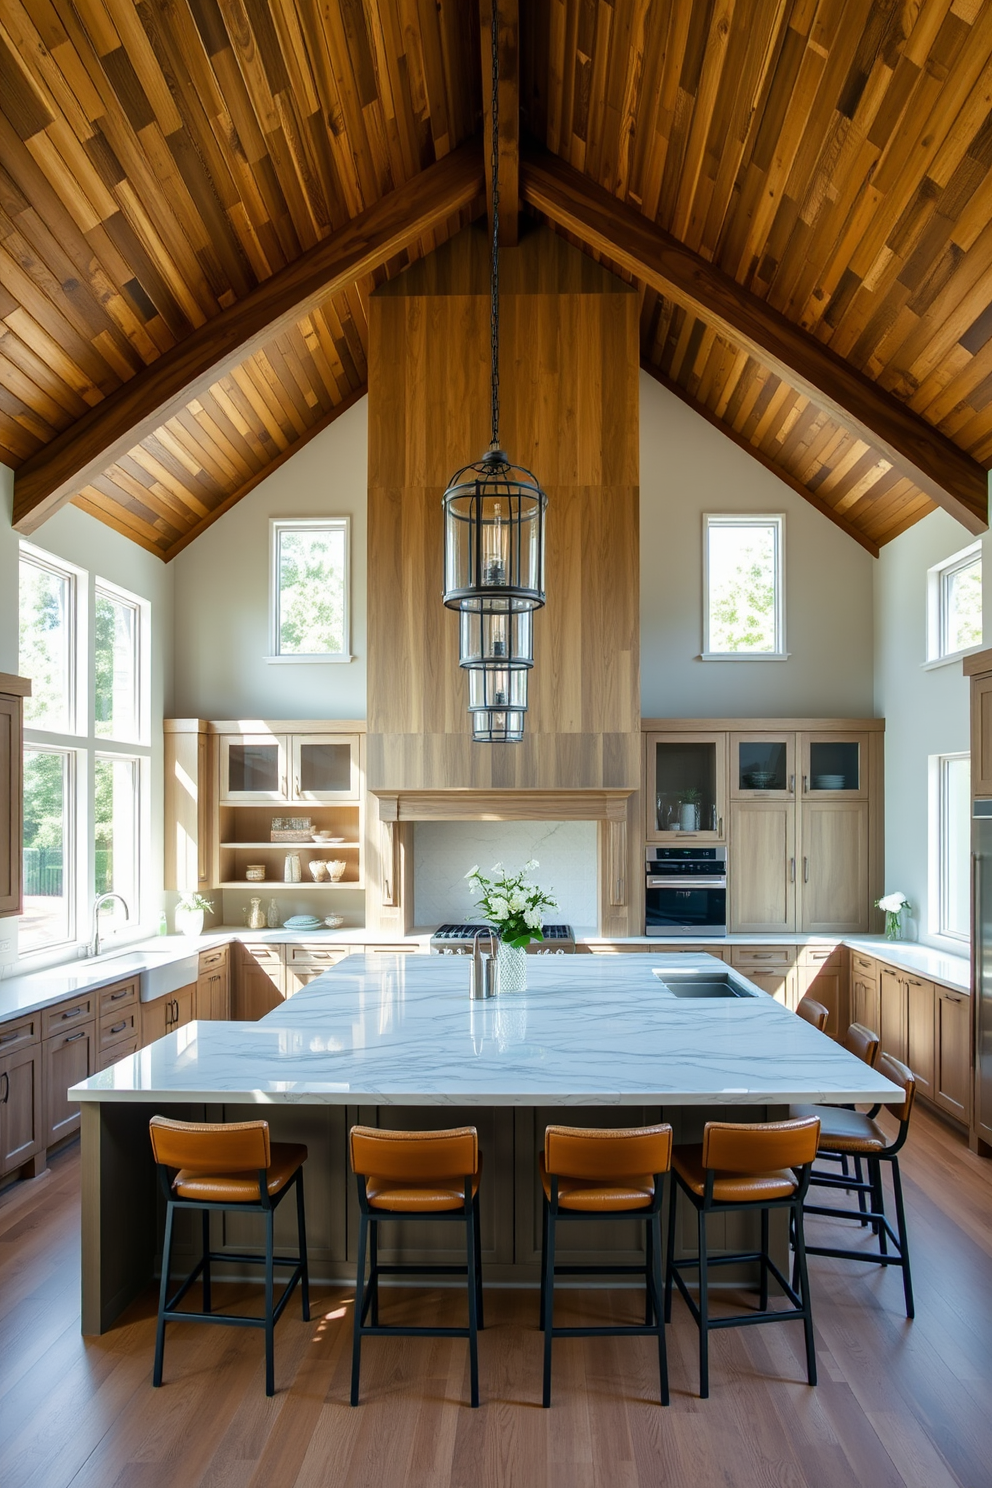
[
  {"x": 10, "y": 805},
  {"x": 920, "y": 1033},
  {"x": 69, "y": 1058},
  {"x": 326, "y": 767},
  {"x": 892, "y": 1015},
  {"x": 188, "y": 814},
  {"x": 686, "y": 787},
  {"x": 981, "y": 736},
  {"x": 259, "y": 982},
  {"x": 834, "y": 766},
  {"x": 953, "y": 1073},
  {"x": 822, "y": 975},
  {"x": 21, "y": 1114},
  {"x": 213, "y": 995},
  {"x": 864, "y": 1004},
  {"x": 834, "y": 881},
  {"x": 184, "y": 1006},
  {"x": 780, "y": 982},
  {"x": 763, "y": 766},
  {"x": 761, "y": 882},
  {"x": 254, "y": 767},
  {"x": 156, "y": 1019}
]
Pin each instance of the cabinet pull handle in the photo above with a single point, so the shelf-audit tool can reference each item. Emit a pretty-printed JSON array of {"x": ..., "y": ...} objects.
[
  {"x": 9, "y": 1038},
  {"x": 719, "y": 828},
  {"x": 805, "y": 787},
  {"x": 117, "y": 1028},
  {"x": 792, "y": 785},
  {"x": 116, "y": 996},
  {"x": 175, "y": 1015},
  {"x": 805, "y": 870},
  {"x": 74, "y": 1012},
  {"x": 72, "y": 1037},
  {"x": 792, "y": 870},
  {"x": 6, "y": 1088}
]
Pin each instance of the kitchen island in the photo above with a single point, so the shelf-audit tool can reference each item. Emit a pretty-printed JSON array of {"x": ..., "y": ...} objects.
[{"x": 396, "y": 1040}]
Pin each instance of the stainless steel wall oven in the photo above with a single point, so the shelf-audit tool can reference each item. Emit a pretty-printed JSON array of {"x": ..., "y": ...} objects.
[{"x": 686, "y": 891}]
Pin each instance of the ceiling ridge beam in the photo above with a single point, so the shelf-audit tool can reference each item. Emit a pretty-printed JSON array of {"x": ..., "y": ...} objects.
[
  {"x": 154, "y": 395},
  {"x": 948, "y": 475},
  {"x": 508, "y": 98}
]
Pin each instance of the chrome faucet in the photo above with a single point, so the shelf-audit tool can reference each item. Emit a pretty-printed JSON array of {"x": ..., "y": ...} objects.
[
  {"x": 483, "y": 967},
  {"x": 101, "y": 899}
]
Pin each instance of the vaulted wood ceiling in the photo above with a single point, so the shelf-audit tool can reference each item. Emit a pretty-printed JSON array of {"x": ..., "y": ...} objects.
[{"x": 197, "y": 197}]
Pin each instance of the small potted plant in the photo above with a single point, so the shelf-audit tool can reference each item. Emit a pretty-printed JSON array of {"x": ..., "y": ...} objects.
[
  {"x": 689, "y": 813},
  {"x": 189, "y": 914},
  {"x": 516, "y": 909},
  {"x": 893, "y": 904}
]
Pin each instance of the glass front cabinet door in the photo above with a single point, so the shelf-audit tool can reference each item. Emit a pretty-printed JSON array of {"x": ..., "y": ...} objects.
[
  {"x": 254, "y": 767},
  {"x": 686, "y": 787},
  {"x": 834, "y": 766},
  {"x": 763, "y": 766},
  {"x": 326, "y": 767}
]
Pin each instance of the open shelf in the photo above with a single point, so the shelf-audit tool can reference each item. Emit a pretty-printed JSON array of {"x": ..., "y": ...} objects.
[
  {"x": 294, "y": 846},
  {"x": 278, "y": 883}
]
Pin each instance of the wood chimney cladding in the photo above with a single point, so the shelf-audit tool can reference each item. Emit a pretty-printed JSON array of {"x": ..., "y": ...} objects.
[{"x": 569, "y": 412}]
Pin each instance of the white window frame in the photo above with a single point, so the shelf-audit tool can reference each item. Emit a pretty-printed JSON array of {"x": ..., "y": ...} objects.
[
  {"x": 776, "y": 520},
  {"x": 937, "y": 577},
  {"x": 937, "y": 852},
  {"x": 73, "y": 856},
  {"x": 84, "y": 745},
  {"x": 278, "y": 525}
]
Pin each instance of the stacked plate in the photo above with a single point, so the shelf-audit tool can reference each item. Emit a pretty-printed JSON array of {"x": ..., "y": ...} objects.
[
  {"x": 829, "y": 782},
  {"x": 303, "y": 922}
]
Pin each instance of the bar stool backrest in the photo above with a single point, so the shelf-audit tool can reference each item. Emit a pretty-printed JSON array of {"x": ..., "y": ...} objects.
[
  {"x": 412, "y": 1155},
  {"x": 899, "y": 1074},
  {"x": 612, "y": 1155},
  {"x": 211, "y": 1147},
  {"x": 814, "y": 1012},
  {"x": 862, "y": 1043},
  {"x": 760, "y": 1147}
]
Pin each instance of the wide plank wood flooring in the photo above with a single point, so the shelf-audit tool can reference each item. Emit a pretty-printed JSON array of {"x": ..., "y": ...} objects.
[{"x": 899, "y": 1404}]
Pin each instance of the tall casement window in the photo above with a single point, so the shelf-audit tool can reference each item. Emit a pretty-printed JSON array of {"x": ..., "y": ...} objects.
[
  {"x": 743, "y": 588},
  {"x": 83, "y": 643},
  {"x": 950, "y": 846},
  {"x": 954, "y": 605},
  {"x": 308, "y": 589}
]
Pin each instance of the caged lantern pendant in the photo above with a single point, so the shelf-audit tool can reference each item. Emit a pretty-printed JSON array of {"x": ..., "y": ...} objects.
[{"x": 494, "y": 543}]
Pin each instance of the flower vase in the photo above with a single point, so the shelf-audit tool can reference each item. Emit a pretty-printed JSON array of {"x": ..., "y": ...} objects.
[
  {"x": 189, "y": 921},
  {"x": 511, "y": 968},
  {"x": 893, "y": 924},
  {"x": 689, "y": 817}
]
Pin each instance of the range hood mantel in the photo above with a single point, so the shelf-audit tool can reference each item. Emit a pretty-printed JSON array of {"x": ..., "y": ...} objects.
[{"x": 464, "y": 804}]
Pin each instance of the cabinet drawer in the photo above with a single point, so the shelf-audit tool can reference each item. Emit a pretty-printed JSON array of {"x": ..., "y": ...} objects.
[
  {"x": 213, "y": 958},
  {"x": 265, "y": 955},
  {"x": 17, "y": 1034},
  {"x": 66, "y": 1014},
  {"x": 864, "y": 966},
  {"x": 771, "y": 956},
  {"x": 316, "y": 956},
  {"x": 831, "y": 956},
  {"x": 107, "y": 1057},
  {"x": 122, "y": 1024},
  {"x": 110, "y": 1000}
]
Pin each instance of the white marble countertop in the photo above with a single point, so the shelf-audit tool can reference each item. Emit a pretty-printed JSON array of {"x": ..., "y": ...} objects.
[
  {"x": 590, "y": 1030},
  {"x": 907, "y": 955}
]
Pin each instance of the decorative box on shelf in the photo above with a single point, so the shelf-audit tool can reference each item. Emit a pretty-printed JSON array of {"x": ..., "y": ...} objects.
[{"x": 291, "y": 829}]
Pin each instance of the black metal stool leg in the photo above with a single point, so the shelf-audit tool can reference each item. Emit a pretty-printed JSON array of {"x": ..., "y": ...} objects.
[
  {"x": 478, "y": 1264},
  {"x": 859, "y": 1174},
  {"x": 907, "y": 1279},
  {"x": 356, "y": 1348},
  {"x": 206, "y": 1260},
  {"x": 270, "y": 1368},
  {"x": 549, "y": 1306},
  {"x": 648, "y": 1269},
  {"x": 163, "y": 1297},
  {"x": 763, "y": 1285},
  {"x": 804, "y": 1294},
  {"x": 301, "y": 1224},
  {"x": 374, "y": 1273},
  {"x": 673, "y": 1190},
  {"x": 544, "y": 1262},
  {"x": 878, "y": 1200},
  {"x": 657, "y": 1307},
  {"x": 704, "y": 1311},
  {"x": 473, "y": 1297}
]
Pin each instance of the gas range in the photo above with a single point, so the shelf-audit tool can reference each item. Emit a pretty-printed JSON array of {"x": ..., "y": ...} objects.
[{"x": 456, "y": 940}]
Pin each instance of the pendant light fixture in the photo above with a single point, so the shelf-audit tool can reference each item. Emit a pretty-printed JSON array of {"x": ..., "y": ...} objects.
[{"x": 494, "y": 542}]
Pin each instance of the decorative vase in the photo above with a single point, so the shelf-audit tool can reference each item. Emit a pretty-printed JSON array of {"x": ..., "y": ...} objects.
[
  {"x": 689, "y": 817},
  {"x": 511, "y": 968},
  {"x": 189, "y": 921},
  {"x": 256, "y": 918},
  {"x": 893, "y": 924}
]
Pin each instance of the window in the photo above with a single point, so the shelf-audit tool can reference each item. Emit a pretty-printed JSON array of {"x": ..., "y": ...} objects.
[
  {"x": 954, "y": 605},
  {"x": 743, "y": 588},
  {"x": 950, "y": 846},
  {"x": 309, "y": 589},
  {"x": 83, "y": 643}
]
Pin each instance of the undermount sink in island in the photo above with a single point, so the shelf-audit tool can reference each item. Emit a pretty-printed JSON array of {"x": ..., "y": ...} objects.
[{"x": 396, "y": 1040}]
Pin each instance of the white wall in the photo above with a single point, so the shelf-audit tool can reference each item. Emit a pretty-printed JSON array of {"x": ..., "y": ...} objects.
[
  {"x": 688, "y": 468},
  {"x": 222, "y": 586},
  {"x": 926, "y": 711}
]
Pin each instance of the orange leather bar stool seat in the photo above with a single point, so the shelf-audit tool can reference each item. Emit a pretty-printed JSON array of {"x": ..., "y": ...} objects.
[
  {"x": 741, "y": 1166},
  {"x": 814, "y": 1012},
  {"x": 411, "y": 1175},
  {"x": 862, "y": 1042},
  {"x": 594, "y": 1173},
  {"x": 222, "y": 1166},
  {"x": 845, "y": 1133}
]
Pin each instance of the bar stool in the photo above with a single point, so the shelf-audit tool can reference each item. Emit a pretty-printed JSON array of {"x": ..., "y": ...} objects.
[
  {"x": 740, "y": 1166},
  {"x": 847, "y": 1133},
  {"x": 410, "y": 1175},
  {"x": 862, "y": 1042},
  {"x": 228, "y": 1165},
  {"x": 588, "y": 1173},
  {"x": 814, "y": 1012}
]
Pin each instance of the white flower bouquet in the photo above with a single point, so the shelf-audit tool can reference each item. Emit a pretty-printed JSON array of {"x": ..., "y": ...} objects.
[
  {"x": 514, "y": 906},
  {"x": 893, "y": 904}
]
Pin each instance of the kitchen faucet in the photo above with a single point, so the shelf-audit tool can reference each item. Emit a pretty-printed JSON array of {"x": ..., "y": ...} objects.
[
  {"x": 483, "y": 967},
  {"x": 101, "y": 899}
]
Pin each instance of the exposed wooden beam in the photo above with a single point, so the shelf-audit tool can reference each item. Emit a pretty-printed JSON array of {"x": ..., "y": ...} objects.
[
  {"x": 762, "y": 458},
  {"x": 508, "y": 49},
  {"x": 946, "y": 474},
  {"x": 107, "y": 431}
]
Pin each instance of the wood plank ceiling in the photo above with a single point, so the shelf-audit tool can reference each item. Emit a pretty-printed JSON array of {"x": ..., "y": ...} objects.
[{"x": 159, "y": 162}]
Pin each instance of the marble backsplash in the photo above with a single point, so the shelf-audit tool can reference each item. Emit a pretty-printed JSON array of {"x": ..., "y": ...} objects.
[{"x": 443, "y": 852}]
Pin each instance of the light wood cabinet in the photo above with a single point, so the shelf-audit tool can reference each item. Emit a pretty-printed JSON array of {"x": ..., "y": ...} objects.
[
  {"x": 833, "y": 765},
  {"x": 686, "y": 770},
  {"x": 21, "y": 1106},
  {"x": 13, "y": 691},
  {"x": 166, "y": 1014},
  {"x": 304, "y": 963},
  {"x": 69, "y": 1056},
  {"x": 823, "y": 975},
  {"x": 772, "y": 968},
  {"x": 833, "y": 894},
  {"x": 864, "y": 991},
  {"x": 920, "y": 1029},
  {"x": 259, "y": 980},
  {"x": 981, "y": 731},
  {"x": 761, "y": 886},
  {"x": 213, "y": 986},
  {"x": 189, "y": 793},
  {"x": 118, "y": 1018},
  {"x": 953, "y": 1062},
  {"x": 292, "y": 768},
  {"x": 325, "y": 767},
  {"x": 893, "y": 1014},
  {"x": 763, "y": 766}
]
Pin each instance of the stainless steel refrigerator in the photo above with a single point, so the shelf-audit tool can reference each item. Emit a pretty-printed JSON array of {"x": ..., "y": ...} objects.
[{"x": 981, "y": 943}]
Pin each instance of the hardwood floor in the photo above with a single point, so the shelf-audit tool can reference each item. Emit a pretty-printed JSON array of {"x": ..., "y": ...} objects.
[{"x": 899, "y": 1404}]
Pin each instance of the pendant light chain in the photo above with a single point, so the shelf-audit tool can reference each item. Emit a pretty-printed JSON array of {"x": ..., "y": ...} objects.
[{"x": 494, "y": 309}]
